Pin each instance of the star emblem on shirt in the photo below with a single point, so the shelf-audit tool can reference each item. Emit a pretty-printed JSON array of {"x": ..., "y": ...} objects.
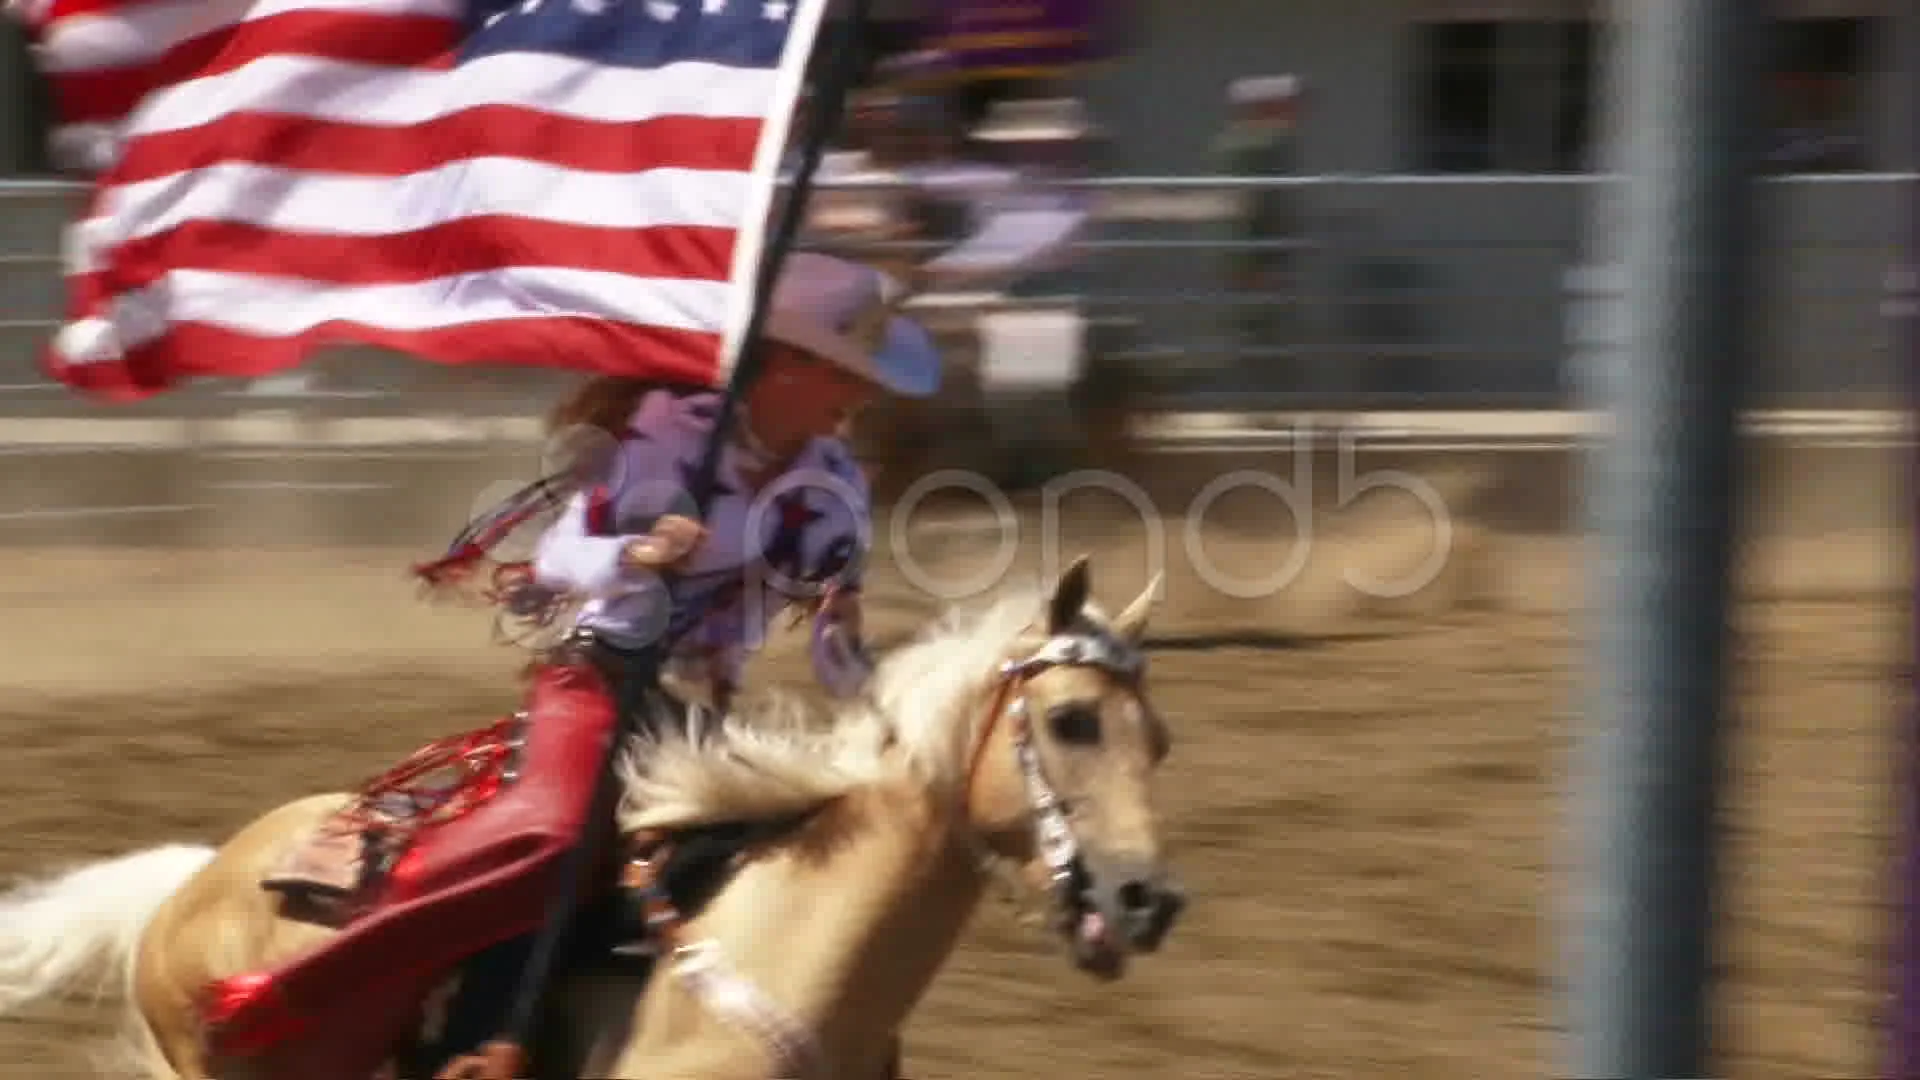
[{"x": 793, "y": 516}]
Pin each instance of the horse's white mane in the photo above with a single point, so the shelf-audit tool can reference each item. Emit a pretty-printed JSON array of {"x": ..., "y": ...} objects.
[{"x": 918, "y": 718}]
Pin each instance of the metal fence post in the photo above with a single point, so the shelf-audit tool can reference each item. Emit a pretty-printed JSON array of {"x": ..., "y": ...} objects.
[{"x": 1660, "y": 504}]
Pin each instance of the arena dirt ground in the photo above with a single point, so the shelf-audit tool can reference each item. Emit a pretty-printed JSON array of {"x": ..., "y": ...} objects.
[{"x": 1365, "y": 800}]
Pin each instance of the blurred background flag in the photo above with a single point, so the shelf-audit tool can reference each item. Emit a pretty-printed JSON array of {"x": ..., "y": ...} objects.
[{"x": 561, "y": 183}]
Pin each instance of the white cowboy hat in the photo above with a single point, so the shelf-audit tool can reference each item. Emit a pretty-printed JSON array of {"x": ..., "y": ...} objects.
[
  {"x": 1035, "y": 120},
  {"x": 844, "y": 313}
]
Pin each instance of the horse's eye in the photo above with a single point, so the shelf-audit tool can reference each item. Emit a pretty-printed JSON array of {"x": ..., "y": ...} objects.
[{"x": 1075, "y": 725}]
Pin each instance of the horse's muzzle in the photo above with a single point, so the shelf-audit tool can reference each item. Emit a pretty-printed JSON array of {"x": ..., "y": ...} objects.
[{"x": 1141, "y": 902}]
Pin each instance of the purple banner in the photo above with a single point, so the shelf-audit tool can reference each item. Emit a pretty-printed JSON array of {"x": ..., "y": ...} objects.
[
  {"x": 1904, "y": 1023},
  {"x": 1023, "y": 38}
]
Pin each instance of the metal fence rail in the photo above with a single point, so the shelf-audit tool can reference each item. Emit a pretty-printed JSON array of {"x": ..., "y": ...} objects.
[
  {"x": 1477, "y": 317},
  {"x": 1404, "y": 292}
]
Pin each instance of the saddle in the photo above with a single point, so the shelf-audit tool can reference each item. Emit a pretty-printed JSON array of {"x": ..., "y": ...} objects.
[
  {"x": 345, "y": 870},
  {"x": 338, "y": 871}
]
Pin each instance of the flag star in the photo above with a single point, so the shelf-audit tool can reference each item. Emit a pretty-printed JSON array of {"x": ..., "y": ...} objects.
[
  {"x": 663, "y": 10},
  {"x": 713, "y": 7},
  {"x": 777, "y": 10}
]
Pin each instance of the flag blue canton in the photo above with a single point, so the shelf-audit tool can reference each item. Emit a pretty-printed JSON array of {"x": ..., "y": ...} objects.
[{"x": 634, "y": 33}]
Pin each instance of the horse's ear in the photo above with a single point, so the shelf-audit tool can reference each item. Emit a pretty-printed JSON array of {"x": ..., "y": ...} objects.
[
  {"x": 1069, "y": 597},
  {"x": 1131, "y": 625}
]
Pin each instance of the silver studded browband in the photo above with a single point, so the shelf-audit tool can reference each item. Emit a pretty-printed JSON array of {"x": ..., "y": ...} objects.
[{"x": 1079, "y": 650}]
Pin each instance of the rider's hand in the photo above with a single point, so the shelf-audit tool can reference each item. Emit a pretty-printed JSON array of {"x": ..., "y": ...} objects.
[
  {"x": 842, "y": 606},
  {"x": 840, "y": 659},
  {"x": 672, "y": 539}
]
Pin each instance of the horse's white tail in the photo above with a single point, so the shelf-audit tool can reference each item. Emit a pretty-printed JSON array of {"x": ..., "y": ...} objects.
[{"x": 85, "y": 925}]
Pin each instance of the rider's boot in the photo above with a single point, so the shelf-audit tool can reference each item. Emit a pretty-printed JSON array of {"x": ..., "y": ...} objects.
[{"x": 467, "y": 884}]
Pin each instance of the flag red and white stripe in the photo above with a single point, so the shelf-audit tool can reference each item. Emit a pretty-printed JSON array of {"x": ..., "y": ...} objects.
[{"x": 569, "y": 183}]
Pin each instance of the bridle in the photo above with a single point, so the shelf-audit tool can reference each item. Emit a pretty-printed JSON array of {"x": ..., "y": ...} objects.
[
  {"x": 702, "y": 967},
  {"x": 1051, "y": 815}
]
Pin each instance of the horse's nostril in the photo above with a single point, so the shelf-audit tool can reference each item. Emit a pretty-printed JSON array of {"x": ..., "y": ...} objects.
[
  {"x": 1170, "y": 908},
  {"x": 1135, "y": 897}
]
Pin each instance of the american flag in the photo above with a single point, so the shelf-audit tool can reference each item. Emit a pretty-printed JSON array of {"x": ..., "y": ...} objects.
[{"x": 566, "y": 183}]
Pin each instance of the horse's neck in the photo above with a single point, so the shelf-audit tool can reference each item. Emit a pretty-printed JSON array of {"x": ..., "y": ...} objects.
[
  {"x": 847, "y": 926},
  {"x": 882, "y": 912}
]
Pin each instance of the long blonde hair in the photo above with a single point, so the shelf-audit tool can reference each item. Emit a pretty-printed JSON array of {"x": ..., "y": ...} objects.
[
  {"x": 602, "y": 405},
  {"x": 607, "y": 402},
  {"x": 605, "y": 405}
]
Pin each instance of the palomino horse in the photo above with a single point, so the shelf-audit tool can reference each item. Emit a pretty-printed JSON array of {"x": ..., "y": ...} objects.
[{"x": 1016, "y": 739}]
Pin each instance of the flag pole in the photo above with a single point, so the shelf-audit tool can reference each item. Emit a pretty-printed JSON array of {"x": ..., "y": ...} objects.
[
  {"x": 829, "y": 102},
  {"x": 640, "y": 669}
]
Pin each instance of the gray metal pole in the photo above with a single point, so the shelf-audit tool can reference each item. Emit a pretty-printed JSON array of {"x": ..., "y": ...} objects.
[{"x": 1675, "y": 238}]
